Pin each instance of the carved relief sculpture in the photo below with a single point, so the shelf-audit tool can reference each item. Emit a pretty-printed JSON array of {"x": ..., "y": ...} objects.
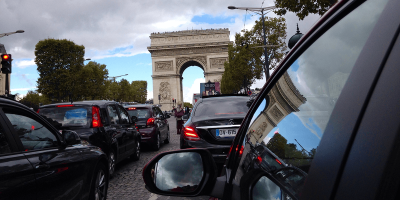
[
  {"x": 218, "y": 62},
  {"x": 164, "y": 66},
  {"x": 165, "y": 91}
]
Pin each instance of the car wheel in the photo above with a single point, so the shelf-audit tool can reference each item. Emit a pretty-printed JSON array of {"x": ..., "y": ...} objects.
[
  {"x": 111, "y": 162},
  {"x": 135, "y": 156},
  {"x": 166, "y": 141},
  {"x": 99, "y": 183},
  {"x": 156, "y": 145}
]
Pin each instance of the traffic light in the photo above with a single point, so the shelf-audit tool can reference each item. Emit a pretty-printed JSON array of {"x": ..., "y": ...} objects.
[{"x": 6, "y": 63}]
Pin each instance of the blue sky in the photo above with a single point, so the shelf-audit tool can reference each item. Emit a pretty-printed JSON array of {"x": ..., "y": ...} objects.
[{"x": 117, "y": 33}]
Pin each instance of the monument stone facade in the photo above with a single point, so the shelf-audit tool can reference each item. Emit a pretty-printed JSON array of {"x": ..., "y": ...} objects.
[{"x": 173, "y": 52}]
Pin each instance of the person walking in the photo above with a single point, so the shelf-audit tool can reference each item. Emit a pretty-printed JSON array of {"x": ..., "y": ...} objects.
[{"x": 179, "y": 112}]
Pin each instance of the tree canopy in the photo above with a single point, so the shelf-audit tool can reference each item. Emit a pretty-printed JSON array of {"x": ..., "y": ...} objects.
[
  {"x": 303, "y": 8},
  {"x": 246, "y": 60},
  {"x": 33, "y": 98},
  {"x": 58, "y": 63}
]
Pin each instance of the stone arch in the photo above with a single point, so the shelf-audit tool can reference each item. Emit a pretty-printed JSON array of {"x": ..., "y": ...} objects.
[{"x": 173, "y": 52}]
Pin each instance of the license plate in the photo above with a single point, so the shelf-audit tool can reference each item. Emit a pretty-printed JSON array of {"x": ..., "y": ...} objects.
[{"x": 226, "y": 132}]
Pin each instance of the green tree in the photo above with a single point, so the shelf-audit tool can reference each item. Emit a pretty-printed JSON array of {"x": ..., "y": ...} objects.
[
  {"x": 124, "y": 91},
  {"x": 139, "y": 91},
  {"x": 187, "y": 104},
  {"x": 93, "y": 77},
  {"x": 58, "y": 63},
  {"x": 304, "y": 7},
  {"x": 246, "y": 60},
  {"x": 277, "y": 145},
  {"x": 33, "y": 98}
]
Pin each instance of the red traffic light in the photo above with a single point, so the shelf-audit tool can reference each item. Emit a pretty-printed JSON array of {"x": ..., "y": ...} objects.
[{"x": 5, "y": 57}]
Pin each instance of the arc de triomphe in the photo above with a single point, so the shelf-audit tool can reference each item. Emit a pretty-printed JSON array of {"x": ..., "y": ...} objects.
[{"x": 173, "y": 52}]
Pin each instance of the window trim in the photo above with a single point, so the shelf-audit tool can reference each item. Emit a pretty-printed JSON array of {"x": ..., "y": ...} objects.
[{"x": 39, "y": 119}]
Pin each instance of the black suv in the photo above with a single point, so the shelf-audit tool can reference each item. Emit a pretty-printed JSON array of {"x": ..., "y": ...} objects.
[
  {"x": 105, "y": 124},
  {"x": 38, "y": 162},
  {"x": 152, "y": 124}
]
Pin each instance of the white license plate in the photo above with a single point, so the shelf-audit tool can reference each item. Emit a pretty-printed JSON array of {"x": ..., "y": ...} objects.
[{"x": 226, "y": 132}]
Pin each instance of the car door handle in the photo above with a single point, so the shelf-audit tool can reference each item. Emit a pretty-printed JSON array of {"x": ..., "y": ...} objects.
[{"x": 42, "y": 166}]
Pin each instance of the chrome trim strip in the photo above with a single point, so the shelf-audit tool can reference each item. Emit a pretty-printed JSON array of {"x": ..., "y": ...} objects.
[{"x": 223, "y": 126}]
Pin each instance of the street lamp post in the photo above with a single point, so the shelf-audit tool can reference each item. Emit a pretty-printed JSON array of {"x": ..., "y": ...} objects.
[
  {"x": 256, "y": 10},
  {"x": 10, "y": 33}
]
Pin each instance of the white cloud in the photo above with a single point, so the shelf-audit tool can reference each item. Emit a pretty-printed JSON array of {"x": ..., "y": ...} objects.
[
  {"x": 149, "y": 94},
  {"x": 24, "y": 63},
  {"x": 195, "y": 88}
]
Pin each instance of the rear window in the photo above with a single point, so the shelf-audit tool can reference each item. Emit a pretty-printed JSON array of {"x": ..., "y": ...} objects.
[
  {"x": 140, "y": 113},
  {"x": 68, "y": 116},
  {"x": 221, "y": 107}
]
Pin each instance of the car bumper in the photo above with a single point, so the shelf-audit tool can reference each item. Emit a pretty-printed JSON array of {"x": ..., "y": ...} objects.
[
  {"x": 148, "y": 135},
  {"x": 219, "y": 152}
]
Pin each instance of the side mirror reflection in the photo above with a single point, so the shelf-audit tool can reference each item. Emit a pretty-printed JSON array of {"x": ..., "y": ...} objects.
[
  {"x": 266, "y": 189},
  {"x": 178, "y": 172}
]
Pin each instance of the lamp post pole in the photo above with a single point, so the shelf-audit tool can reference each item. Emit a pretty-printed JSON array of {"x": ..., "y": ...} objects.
[{"x": 266, "y": 68}]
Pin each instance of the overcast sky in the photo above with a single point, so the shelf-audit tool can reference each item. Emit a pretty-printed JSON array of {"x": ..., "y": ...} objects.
[{"x": 116, "y": 33}]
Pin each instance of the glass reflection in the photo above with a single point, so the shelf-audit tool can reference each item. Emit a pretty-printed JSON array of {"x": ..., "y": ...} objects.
[
  {"x": 178, "y": 172},
  {"x": 265, "y": 189}
]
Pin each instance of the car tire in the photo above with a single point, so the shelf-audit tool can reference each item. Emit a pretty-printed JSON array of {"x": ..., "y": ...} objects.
[
  {"x": 112, "y": 162},
  {"x": 136, "y": 155},
  {"x": 166, "y": 141},
  {"x": 99, "y": 185},
  {"x": 157, "y": 143}
]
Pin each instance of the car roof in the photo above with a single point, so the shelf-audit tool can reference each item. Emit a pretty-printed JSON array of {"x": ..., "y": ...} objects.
[
  {"x": 89, "y": 103},
  {"x": 140, "y": 105},
  {"x": 6, "y": 100}
]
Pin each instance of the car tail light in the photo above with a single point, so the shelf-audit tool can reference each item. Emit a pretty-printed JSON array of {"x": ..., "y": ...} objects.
[
  {"x": 259, "y": 159},
  {"x": 96, "y": 121},
  {"x": 37, "y": 111},
  {"x": 150, "y": 122},
  {"x": 68, "y": 105},
  {"x": 189, "y": 133},
  {"x": 131, "y": 108},
  {"x": 278, "y": 161}
]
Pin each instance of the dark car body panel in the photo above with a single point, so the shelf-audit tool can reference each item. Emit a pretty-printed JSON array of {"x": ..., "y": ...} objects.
[
  {"x": 63, "y": 172},
  {"x": 120, "y": 137}
]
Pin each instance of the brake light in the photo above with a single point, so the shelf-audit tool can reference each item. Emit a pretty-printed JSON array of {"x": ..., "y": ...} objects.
[
  {"x": 150, "y": 122},
  {"x": 241, "y": 150},
  {"x": 189, "y": 133},
  {"x": 259, "y": 159},
  {"x": 131, "y": 108},
  {"x": 96, "y": 121},
  {"x": 68, "y": 105},
  {"x": 278, "y": 161},
  {"x": 37, "y": 111}
]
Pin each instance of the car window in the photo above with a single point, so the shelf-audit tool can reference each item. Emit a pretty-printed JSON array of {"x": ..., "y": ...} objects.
[
  {"x": 4, "y": 144},
  {"x": 140, "y": 113},
  {"x": 124, "y": 115},
  {"x": 71, "y": 116},
  {"x": 112, "y": 112},
  {"x": 33, "y": 134},
  {"x": 218, "y": 107},
  {"x": 291, "y": 119}
]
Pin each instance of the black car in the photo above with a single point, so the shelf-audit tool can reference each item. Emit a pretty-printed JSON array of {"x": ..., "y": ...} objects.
[
  {"x": 329, "y": 111},
  {"x": 151, "y": 123},
  {"x": 213, "y": 124},
  {"x": 105, "y": 124},
  {"x": 39, "y": 162}
]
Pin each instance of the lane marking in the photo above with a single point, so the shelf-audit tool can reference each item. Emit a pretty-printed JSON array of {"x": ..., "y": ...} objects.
[{"x": 153, "y": 196}]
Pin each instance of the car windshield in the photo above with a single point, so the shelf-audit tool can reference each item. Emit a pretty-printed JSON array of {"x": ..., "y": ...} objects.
[
  {"x": 222, "y": 106},
  {"x": 140, "y": 113},
  {"x": 67, "y": 116}
]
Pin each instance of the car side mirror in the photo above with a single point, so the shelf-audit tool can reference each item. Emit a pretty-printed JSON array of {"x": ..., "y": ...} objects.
[
  {"x": 71, "y": 137},
  {"x": 188, "y": 172},
  {"x": 284, "y": 183},
  {"x": 134, "y": 119}
]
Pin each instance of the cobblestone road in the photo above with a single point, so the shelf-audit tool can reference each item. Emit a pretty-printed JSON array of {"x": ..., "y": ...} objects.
[{"x": 127, "y": 182}]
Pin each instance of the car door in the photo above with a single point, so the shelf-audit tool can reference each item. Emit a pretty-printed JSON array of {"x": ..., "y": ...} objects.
[
  {"x": 159, "y": 122},
  {"x": 293, "y": 116},
  {"x": 58, "y": 170},
  {"x": 129, "y": 136},
  {"x": 17, "y": 176},
  {"x": 163, "y": 124},
  {"x": 117, "y": 129}
]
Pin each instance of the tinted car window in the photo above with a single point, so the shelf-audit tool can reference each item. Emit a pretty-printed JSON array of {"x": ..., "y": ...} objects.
[
  {"x": 140, "y": 113},
  {"x": 33, "y": 134},
  {"x": 124, "y": 116},
  {"x": 4, "y": 145},
  {"x": 68, "y": 116},
  {"x": 112, "y": 112},
  {"x": 291, "y": 119},
  {"x": 222, "y": 107}
]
